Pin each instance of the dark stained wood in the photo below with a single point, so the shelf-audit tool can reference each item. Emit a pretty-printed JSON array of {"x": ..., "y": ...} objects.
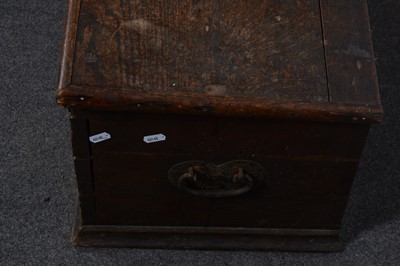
[
  {"x": 122, "y": 176},
  {"x": 254, "y": 49},
  {"x": 215, "y": 136},
  {"x": 171, "y": 63},
  {"x": 68, "y": 49},
  {"x": 274, "y": 213},
  {"x": 86, "y": 197},
  {"x": 208, "y": 238},
  {"x": 349, "y": 53},
  {"x": 288, "y": 85},
  {"x": 310, "y": 167},
  {"x": 83, "y": 168},
  {"x": 295, "y": 194},
  {"x": 80, "y": 135},
  {"x": 123, "y": 100}
]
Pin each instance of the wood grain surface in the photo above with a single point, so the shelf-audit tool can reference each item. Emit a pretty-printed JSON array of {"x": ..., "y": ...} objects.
[
  {"x": 310, "y": 59},
  {"x": 289, "y": 85},
  {"x": 261, "y": 49},
  {"x": 309, "y": 170}
]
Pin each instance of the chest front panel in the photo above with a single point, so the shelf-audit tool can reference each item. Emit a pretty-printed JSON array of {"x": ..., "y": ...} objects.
[{"x": 308, "y": 170}]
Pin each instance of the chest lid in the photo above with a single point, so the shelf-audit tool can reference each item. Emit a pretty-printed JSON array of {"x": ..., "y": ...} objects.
[{"x": 305, "y": 59}]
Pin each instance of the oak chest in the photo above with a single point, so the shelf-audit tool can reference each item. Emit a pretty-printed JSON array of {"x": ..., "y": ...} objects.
[{"x": 215, "y": 124}]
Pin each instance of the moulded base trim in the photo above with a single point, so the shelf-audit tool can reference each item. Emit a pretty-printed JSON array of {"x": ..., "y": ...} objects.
[{"x": 205, "y": 238}]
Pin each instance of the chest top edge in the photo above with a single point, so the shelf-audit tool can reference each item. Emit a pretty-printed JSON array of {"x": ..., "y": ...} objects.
[{"x": 348, "y": 89}]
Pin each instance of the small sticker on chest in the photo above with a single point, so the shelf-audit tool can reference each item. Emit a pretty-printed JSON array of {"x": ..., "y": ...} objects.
[
  {"x": 154, "y": 138},
  {"x": 100, "y": 137}
]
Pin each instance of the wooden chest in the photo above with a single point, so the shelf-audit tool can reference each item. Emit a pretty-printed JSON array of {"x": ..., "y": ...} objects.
[{"x": 216, "y": 124}]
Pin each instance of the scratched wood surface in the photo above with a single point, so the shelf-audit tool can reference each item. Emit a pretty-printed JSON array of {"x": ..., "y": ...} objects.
[{"x": 269, "y": 49}]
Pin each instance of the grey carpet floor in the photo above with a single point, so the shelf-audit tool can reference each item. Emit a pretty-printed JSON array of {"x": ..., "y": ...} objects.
[{"x": 37, "y": 178}]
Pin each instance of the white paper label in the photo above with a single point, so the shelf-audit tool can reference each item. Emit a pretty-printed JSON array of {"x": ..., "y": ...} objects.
[
  {"x": 154, "y": 138},
  {"x": 100, "y": 137}
]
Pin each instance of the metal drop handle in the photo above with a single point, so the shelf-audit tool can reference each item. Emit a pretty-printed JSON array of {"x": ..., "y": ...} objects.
[
  {"x": 209, "y": 180},
  {"x": 245, "y": 186}
]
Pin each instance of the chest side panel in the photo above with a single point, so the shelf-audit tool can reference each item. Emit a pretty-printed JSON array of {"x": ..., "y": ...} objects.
[{"x": 253, "y": 49}]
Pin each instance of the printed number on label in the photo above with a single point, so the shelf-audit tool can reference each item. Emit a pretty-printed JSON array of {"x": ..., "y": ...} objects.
[
  {"x": 154, "y": 138},
  {"x": 100, "y": 137}
]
